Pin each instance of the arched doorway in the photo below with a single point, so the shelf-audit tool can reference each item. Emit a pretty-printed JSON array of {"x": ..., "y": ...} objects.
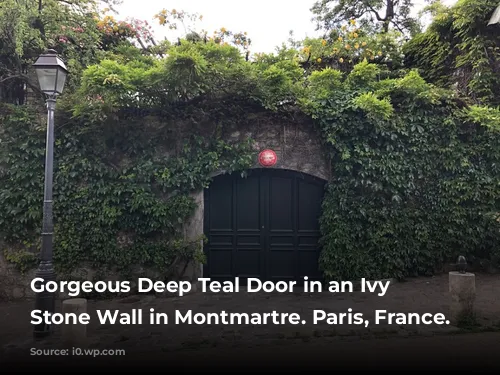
[{"x": 264, "y": 226}]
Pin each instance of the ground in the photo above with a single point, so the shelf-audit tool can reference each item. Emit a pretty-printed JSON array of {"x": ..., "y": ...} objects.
[{"x": 420, "y": 295}]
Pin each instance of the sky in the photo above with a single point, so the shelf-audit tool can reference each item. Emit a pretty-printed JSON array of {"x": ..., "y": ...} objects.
[{"x": 267, "y": 22}]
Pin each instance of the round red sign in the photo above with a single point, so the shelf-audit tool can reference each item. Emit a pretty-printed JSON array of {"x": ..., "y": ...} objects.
[{"x": 268, "y": 158}]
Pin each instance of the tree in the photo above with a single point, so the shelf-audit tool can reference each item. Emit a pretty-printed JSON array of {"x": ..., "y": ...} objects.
[
  {"x": 342, "y": 49},
  {"x": 459, "y": 49},
  {"x": 30, "y": 27},
  {"x": 383, "y": 14}
]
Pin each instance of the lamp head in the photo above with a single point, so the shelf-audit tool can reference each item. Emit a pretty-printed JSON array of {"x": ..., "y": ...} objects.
[
  {"x": 495, "y": 17},
  {"x": 51, "y": 72}
]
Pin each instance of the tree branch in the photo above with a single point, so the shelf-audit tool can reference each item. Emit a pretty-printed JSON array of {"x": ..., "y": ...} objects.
[
  {"x": 14, "y": 76},
  {"x": 374, "y": 11},
  {"x": 396, "y": 25},
  {"x": 141, "y": 43}
]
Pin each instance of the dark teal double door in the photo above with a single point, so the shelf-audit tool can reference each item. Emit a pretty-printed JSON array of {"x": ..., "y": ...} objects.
[{"x": 263, "y": 226}]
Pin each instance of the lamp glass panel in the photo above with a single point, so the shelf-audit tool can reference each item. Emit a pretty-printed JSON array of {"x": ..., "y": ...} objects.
[
  {"x": 61, "y": 80},
  {"x": 47, "y": 79}
]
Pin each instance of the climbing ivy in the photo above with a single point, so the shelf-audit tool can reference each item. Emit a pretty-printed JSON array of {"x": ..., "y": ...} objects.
[
  {"x": 460, "y": 49},
  {"x": 133, "y": 141},
  {"x": 119, "y": 202},
  {"x": 415, "y": 168},
  {"x": 416, "y": 176}
]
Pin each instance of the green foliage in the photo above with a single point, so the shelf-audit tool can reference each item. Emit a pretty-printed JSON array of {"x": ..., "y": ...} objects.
[
  {"x": 459, "y": 49},
  {"x": 416, "y": 177},
  {"x": 122, "y": 180},
  {"x": 374, "y": 107},
  {"x": 415, "y": 183},
  {"x": 377, "y": 14},
  {"x": 28, "y": 28},
  {"x": 345, "y": 46},
  {"x": 323, "y": 82},
  {"x": 74, "y": 29},
  {"x": 193, "y": 72},
  {"x": 121, "y": 200},
  {"x": 486, "y": 116},
  {"x": 363, "y": 75},
  {"x": 23, "y": 260}
]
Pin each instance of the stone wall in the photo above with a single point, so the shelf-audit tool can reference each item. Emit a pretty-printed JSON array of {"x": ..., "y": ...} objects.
[
  {"x": 297, "y": 146},
  {"x": 296, "y": 143},
  {"x": 192, "y": 231},
  {"x": 13, "y": 284}
]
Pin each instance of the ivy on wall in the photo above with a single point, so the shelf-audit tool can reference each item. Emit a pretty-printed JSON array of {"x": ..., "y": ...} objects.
[
  {"x": 121, "y": 200},
  {"x": 460, "y": 49},
  {"x": 133, "y": 141},
  {"x": 416, "y": 175}
]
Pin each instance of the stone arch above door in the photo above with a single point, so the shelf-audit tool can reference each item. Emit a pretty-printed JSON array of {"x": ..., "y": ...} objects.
[{"x": 297, "y": 145}]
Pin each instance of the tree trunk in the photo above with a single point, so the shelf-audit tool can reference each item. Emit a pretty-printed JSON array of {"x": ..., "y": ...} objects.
[{"x": 389, "y": 15}]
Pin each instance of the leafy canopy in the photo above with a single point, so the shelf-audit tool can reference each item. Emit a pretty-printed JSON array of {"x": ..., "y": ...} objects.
[
  {"x": 460, "y": 50},
  {"x": 378, "y": 15}
]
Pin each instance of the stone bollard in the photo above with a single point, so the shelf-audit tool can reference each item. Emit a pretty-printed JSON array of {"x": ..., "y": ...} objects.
[
  {"x": 463, "y": 295},
  {"x": 74, "y": 334}
]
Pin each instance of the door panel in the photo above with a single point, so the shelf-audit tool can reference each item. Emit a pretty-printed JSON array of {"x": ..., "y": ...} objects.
[
  {"x": 281, "y": 205},
  {"x": 247, "y": 205},
  {"x": 264, "y": 226},
  {"x": 221, "y": 200}
]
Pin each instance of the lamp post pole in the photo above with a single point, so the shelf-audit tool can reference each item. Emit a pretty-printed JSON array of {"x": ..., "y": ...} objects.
[{"x": 45, "y": 301}]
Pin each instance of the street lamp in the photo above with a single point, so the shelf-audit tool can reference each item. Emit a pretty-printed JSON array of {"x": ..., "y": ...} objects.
[
  {"x": 495, "y": 18},
  {"x": 51, "y": 72}
]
